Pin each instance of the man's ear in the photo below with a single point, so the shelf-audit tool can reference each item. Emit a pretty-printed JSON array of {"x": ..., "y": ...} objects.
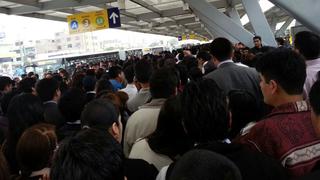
[
  {"x": 274, "y": 86},
  {"x": 115, "y": 131}
]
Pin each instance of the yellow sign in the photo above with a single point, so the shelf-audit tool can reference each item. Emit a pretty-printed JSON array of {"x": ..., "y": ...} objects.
[
  {"x": 192, "y": 36},
  {"x": 87, "y": 22}
]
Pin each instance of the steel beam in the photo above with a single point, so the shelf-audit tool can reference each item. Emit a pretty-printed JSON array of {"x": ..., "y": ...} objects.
[
  {"x": 4, "y": 10},
  {"x": 259, "y": 21},
  {"x": 234, "y": 15},
  {"x": 281, "y": 31},
  {"x": 215, "y": 29},
  {"x": 44, "y": 16},
  {"x": 306, "y": 12},
  {"x": 52, "y": 5},
  {"x": 213, "y": 18}
]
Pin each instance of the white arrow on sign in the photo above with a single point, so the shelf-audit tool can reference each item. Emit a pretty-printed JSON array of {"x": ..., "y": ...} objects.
[{"x": 114, "y": 17}]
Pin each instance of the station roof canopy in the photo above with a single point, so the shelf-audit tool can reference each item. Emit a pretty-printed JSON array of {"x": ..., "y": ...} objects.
[{"x": 166, "y": 17}]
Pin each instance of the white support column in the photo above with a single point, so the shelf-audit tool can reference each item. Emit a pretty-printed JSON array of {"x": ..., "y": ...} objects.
[
  {"x": 259, "y": 21},
  {"x": 273, "y": 25},
  {"x": 213, "y": 18},
  {"x": 234, "y": 15},
  {"x": 282, "y": 30},
  {"x": 304, "y": 11},
  {"x": 216, "y": 30}
]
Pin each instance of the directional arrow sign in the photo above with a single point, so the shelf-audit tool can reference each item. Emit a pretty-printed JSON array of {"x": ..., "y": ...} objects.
[{"x": 114, "y": 17}]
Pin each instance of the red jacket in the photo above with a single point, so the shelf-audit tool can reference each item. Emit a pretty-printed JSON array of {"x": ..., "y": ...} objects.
[{"x": 287, "y": 135}]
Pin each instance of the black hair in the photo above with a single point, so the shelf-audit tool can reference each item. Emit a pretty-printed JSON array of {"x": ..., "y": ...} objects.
[
  {"x": 205, "y": 114},
  {"x": 26, "y": 85},
  {"x": 114, "y": 71},
  {"x": 99, "y": 113},
  {"x": 103, "y": 85},
  {"x": 129, "y": 73},
  {"x": 24, "y": 111},
  {"x": 163, "y": 83},
  {"x": 91, "y": 154},
  {"x": 221, "y": 48},
  {"x": 47, "y": 88},
  {"x": 286, "y": 67},
  {"x": 257, "y": 37},
  {"x": 4, "y": 81},
  {"x": 204, "y": 55},
  {"x": 143, "y": 71},
  {"x": 280, "y": 40},
  {"x": 314, "y": 97},
  {"x": 308, "y": 44},
  {"x": 89, "y": 83},
  {"x": 244, "y": 108},
  {"x": 169, "y": 137},
  {"x": 71, "y": 104},
  {"x": 204, "y": 165}
]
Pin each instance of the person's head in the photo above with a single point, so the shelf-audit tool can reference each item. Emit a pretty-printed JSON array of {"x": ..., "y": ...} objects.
[
  {"x": 129, "y": 73},
  {"x": 205, "y": 114},
  {"x": 308, "y": 44},
  {"x": 244, "y": 108},
  {"x": 221, "y": 50},
  {"x": 27, "y": 85},
  {"x": 89, "y": 83},
  {"x": 280, "y": 41},
  {"x": 143, "y": 71},
  {"x": 77, "y": 81},
  {"x": 169, "y": 137},
  {"x": 163, "y": 83},
  {"x": 257, "y": 41},
  {"x": 71, "y": 104},
  {"x": 314, "y": 98},
  {"x": 115, "y": 72},
  {"x": 5, "y": 84},
  {"x": 102, "y": 114},
  {"x": 282, "y": 73},
  {"x": 35, "y": 148},
  {"x": 91, "y": 154},
  {"x": 48, "y": 90},
  {"x": 204, "y": 56},
  {"x": 103, "y": 85},
  {"x": 24, "y": 111},
  {"x": 204, "y": 165},
  {"x": 4, "y": 170}
]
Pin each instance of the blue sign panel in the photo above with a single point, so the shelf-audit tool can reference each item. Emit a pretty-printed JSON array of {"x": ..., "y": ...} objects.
[
  {"x": 74, "y": 25},
  {"x": 114, "y": 17}
]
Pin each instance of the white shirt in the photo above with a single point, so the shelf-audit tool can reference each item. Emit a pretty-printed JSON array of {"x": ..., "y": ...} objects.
[
  {"x": 313, "y": 67},
  {"x": 131, "y": 90},
  {"x": 223, "y": 62}
]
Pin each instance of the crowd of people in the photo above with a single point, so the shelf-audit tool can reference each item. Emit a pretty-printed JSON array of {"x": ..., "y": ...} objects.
[{"x": 218, "y": 111}]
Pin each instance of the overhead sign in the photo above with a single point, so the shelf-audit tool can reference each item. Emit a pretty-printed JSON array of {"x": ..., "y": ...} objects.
[
  {"x": 93, "y": 21},
  {"x": 114, "y": 17},
  {"x": 191, "y": 36}
]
